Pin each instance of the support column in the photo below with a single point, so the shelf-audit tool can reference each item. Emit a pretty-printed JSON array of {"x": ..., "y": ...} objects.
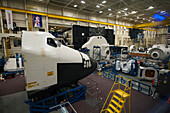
[
  {"x": 4, "y": 46},
  {"x": 2, "y": 26},
  {"x": 26, "y": 17},
  {"x": 46, "y": 28}
]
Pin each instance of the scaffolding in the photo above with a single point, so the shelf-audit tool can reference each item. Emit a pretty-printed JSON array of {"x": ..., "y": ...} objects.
[{"x": 94, "y": 96}]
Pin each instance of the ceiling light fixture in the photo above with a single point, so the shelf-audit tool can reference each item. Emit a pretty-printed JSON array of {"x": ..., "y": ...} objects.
[
  {"x": 103, "y": 2},
  {"x": 119, "y": 12},
  {"x": 100, "y": 11},
  {"x": 126, "y": 9},
  {"x": 163, "y": 11},
  {"x": 75, "y": 5},
  {"x": 83, "y": 2},
  {"x": 110, "y": 14},
  {"x": 150, "y": 7},
  {"x": 98, "y": 6},
  {"x": 109, "y": 9},
  {"x": 126, "y": 14},
  {"x": 133, "y": 12},
  {"x": 137, "y": 17}
]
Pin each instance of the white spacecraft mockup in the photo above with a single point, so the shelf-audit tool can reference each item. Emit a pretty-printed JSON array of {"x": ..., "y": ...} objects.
[
  {"x": 50, "y": 65},
  {"x": 13, "y": 65},
  {"x": 97, "y": 41},
  {"x": 159, "y": 51}
]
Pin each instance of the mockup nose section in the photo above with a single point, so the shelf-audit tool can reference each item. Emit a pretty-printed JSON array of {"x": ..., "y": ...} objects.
[
  {"x": 69, "y": 73},
  {"x": 93, "y": 67}
]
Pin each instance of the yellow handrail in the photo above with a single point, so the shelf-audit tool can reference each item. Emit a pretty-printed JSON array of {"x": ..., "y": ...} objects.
[{"x": 126, "y": 88}]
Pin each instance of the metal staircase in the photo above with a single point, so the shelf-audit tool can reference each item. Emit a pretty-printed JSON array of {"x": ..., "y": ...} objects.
[{"x": 117, "y": 97}]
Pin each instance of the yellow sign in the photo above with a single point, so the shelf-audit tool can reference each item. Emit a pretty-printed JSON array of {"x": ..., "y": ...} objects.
[{"x": 50, "y": 73}]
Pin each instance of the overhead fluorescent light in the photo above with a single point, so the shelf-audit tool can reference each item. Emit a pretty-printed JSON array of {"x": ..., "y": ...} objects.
[
  {"x": 75, "y": 5},
  {"x": 150, "y": 7},
  {"x": 163, "y": 11},
  {"x": 100, "y": 11},
  {"x": 110, "y": 14},
  {"x": 119, "y": 12},
  {"x": 133, "y": 12},
  {"x": 83, "y": 2},
  {"x": 141, "y": 15},
  {"x": 101, "y": 4},
  {"x": 98, "y": 6},
  {"x": 126, "y": 14},
  {"x": 104, "y": 1},
  {"x": 109, "y": 9},
  {"x": 126, "y": 9}
]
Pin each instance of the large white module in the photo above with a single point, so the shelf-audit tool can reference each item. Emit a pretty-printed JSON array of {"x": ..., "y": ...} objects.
[
  {"x": 97, "y": 41},
  {"x": 48, "y": 62}
]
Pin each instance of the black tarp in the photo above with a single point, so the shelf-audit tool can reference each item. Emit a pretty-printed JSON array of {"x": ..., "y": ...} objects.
[{"x": 81, "y": 34}]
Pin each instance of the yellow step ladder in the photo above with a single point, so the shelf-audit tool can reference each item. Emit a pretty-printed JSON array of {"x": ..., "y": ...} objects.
[{"x": 119, "y": 93}]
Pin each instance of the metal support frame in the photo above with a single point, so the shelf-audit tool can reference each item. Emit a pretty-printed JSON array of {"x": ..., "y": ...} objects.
[
  {"x": 51, "y": 104},
  {"x": 97, "y": 52},
  {"x": 86, "y": 51},
  {"x": 139, "y": 86}
]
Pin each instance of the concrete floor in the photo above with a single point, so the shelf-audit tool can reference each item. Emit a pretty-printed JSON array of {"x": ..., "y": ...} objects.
[
  {"x": 141, "y": 103},
  {"x": 14, "y": 103}
]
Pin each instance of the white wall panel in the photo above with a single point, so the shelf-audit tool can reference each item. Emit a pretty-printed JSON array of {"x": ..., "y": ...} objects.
[
  {"x": 54, "y": 10},
  {"x": 16, "y": 4},
  {"x": 18, "y": 16},
  {"x": 70, "y": 13},
  {"x": 20, "y": 23},
  {"x": 83, "y": 23}
]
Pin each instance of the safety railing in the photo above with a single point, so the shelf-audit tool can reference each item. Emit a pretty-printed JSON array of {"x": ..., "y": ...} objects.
[
  {"x": 49, "y": 104},
  {"x": 137, "y": 85}
]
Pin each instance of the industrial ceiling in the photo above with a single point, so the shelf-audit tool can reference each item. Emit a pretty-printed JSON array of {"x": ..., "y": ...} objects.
[{"x": 134, "y": 11}]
